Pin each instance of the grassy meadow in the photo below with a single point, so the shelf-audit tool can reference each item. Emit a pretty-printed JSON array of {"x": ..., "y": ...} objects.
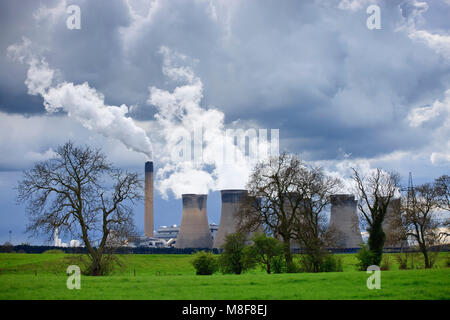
[{"x": 170, "y": 277}]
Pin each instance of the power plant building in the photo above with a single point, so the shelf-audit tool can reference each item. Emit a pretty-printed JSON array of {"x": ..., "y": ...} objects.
[
  {"x": 194, "y": 228},
  {"x": 148, "y": 205},
  {"x": 390, "y": 229},
  {"x": 344, "y": 220},
  {"x": 231, "y": 203}
]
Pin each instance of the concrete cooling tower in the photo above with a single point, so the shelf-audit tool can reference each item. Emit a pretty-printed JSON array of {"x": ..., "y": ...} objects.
[
  {"x": 194, "y": 228},
  {"x": 148, "y": 198},
  {"x": 231, "y": 203},
  {"x": 389, "y": 228},
  {"x": 344, "y": 219}
]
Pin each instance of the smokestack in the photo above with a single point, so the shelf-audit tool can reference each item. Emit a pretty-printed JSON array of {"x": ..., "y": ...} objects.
[
  {"x": 344, "y": 219},
  {"x": 148, "y": 209},
  {"x": 194, "y": 228},
  {"x": 231, "y": 203}
]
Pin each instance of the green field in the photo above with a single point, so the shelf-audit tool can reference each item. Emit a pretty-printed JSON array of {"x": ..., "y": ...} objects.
[{"x": 42, "y": 276}]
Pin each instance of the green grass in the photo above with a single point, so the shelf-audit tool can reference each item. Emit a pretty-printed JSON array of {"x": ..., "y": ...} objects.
[{"x": 173, "y": 277}]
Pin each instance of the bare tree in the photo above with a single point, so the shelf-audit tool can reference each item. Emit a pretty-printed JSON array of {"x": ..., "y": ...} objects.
[
  {"x": 272, "y": 200},
  {"x": 442, "y": 186},
  {"x": 312, "y": 230},
  {"x": 420, "y": 219},
  {"x": 80, "y": 193},
  {"x": 375, "y": 192}
]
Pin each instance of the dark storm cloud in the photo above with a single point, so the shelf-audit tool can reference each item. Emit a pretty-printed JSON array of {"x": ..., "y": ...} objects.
[{"x": 308, "y": 68}]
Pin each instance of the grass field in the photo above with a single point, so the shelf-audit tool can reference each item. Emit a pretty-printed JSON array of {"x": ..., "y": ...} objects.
[{"x": 172, "y": 277}]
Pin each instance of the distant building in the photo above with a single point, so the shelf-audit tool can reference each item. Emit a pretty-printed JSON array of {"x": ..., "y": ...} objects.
[
  {"x": 166, "y": 233},
  {"x": 74, "y": 243}
]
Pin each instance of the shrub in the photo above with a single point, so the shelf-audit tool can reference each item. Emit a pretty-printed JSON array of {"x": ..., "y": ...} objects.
[
  {"x": 53, "y": 251},
  {"x": 385, "y": 262},
  {"x": 328, "y": 263},
  {"x": 264, "y": 249},
  {"x": 331, "y": 263},
  {"x": 234, "y": 258},
  {"x": 205, "y": 263},
  {"x": 278, "y": 264},
  {"x": 110, "y": 263},
  {"x": 366, "y": 258},
  {"x": 402, "y": 260},
  {"x": 7, "y": 247}
]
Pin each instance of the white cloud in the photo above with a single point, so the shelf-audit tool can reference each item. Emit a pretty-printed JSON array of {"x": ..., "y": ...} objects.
[
  {"x": 439, "y": 109},
  {"x": 354, "y": 5},
  {"x": 412, "y": 13},
  {"x": 81, "y": 102},
  {"x": 180, "y": 114}
]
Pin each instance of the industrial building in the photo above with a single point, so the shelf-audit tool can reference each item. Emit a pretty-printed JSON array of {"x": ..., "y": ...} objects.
[
  {"x": 231, "y": 203},
  {"x": 344, "y": 220},
  {"x": 194, "y": 229},
  {"x": 168, "y": 233},
  {"x": 148, "y": 204},
  {"x": 390, "y": 229}
]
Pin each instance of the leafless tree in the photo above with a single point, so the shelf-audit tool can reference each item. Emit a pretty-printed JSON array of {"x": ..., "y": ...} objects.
[
  {"x": 80, "y": 193},
  {"x": 420, "y": 219},
  {"x": 272, "y": 200},
  {"x": 442, "y": 186},
  {"x": 288, "y": 198},
  {"x": 312, "y": 232},
  {"x": 375, "y": 192}
]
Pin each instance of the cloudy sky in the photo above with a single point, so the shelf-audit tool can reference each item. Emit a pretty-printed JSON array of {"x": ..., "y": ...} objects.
[{"x": 139, "y": 72}]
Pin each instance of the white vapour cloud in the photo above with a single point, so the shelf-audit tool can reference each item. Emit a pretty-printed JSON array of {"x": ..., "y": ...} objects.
[
  {"x": 412, "y": 14},
  {"x": 439, "y": 114},
  {"x": 180, "y": 114},
  {"x": 354, "y": 5},
  {"x": 440, "y": 109},
  {"x": 81, "y": 102}
]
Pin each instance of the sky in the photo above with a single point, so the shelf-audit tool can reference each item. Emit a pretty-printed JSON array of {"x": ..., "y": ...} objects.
[{"x": 138, "y": 74}]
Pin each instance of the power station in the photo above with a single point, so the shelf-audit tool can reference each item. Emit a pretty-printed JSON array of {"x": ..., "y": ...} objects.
[
  {"x": 196, "y": 232},
  {"x": 148, "y": 205},
  {"x": 194, "y": 228},
  {"x": 231, "y": 204},
  {"x": 389, "y": 227},
  {"x": 344, "y": 220}
]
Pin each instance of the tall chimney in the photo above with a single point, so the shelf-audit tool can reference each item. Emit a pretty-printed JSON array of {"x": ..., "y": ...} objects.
[
  {"x": 148, "y": 210},
  {"x": 231, "y": 203},
  {"x": 194, "y": 228},
  {"x": 344, "y": 220}
]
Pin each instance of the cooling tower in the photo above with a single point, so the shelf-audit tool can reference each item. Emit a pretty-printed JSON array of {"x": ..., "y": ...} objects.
[
  {"x": 148, "y": 198},
  {"x": 194, "y": 228},
  {"x": 389, "y": 227},
  {"x": 344, "y": 219},
  {"x": 231, "y": 203},
  {"x": 292, "y": 197}
]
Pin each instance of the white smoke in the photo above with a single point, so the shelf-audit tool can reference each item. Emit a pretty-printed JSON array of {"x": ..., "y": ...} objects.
[
  {"x": 81, "y": 102},
  {"x": 180, "y": 115}
]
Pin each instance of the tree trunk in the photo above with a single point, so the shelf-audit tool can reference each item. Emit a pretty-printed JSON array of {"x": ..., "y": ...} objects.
[
  {"x": 268, "y": 267},
  {"x": 376, "y": 240},
  {"x": 96, "y": 266},
  {"x": 424, "y": 250},
  {"x": 288, "y": 256}
]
